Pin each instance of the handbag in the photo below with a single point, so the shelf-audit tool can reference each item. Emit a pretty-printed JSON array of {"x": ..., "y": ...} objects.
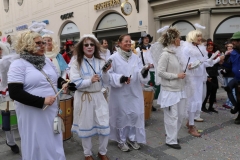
[{"x": 58, "y": 125}]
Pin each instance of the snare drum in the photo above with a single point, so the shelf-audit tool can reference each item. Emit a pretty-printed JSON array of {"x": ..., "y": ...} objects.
[
  {"x": 66, "y": 105},
  {"x": 13, "y": 116},
  {"x": 148, "y": 94}
]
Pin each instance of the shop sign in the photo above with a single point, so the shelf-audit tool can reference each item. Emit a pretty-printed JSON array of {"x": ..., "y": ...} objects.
[
  {"x": 225, "y": 2},
  {"x": 107, "y": 4},
  {"x": 19, "y": 28},
  {"x": 8, "y": 31},
  {"x": 66, "y": 16}
]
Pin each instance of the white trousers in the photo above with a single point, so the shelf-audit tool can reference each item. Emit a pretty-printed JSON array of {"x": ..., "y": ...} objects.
[
  {"x": 87, "y": 145},
  {"x": 173, "y": 118},
  {"x": 10, "y": 138},
  {"x": 197, "y": 114}
]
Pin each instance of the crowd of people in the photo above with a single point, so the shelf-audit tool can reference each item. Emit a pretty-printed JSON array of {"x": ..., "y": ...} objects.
[{"x": 188, "y": 72}]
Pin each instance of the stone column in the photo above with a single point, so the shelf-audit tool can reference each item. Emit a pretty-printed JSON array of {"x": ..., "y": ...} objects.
[
  {"x": 205, "y": 21},
  {"x": 157, "y": 26}
]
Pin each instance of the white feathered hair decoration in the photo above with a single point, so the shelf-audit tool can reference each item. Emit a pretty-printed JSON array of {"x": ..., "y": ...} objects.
[
  {"x": 39, "y": 27},
  {"x": 199, "y": 26},
  {"x": 162, "y": 29}
]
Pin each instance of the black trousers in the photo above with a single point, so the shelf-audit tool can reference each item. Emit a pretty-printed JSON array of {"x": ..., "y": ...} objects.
[
  {"x": 211, "y": 92},
  {"x": 233, "y": 84}
]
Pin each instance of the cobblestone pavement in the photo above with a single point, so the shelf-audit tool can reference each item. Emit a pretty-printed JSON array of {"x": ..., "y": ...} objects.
[{"x": 220, "y": 140}]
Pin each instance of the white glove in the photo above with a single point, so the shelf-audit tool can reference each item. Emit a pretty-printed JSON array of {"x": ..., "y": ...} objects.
[{"x": 214, "y": 55}]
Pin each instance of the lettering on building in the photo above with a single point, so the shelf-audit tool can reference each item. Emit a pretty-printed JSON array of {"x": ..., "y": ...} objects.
[
  {"x": 226, "y": 2},
  {"x": 107, "y": 4},
  {"x": 8, "y": 31},
  {"x": 19, "y": 28},
  {"x": 66, "y": 16}
]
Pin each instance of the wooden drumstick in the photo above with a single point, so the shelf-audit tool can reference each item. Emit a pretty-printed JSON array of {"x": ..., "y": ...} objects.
[
  {"x": 7, "y": 109},
  {"x": 57, "y": 94}
]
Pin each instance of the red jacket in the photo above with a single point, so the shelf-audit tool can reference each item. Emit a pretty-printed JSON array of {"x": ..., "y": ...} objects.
[{"x": 66, "y": 57}]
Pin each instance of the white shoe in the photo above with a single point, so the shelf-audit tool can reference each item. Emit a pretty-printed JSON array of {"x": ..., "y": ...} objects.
[
  {"x": 124, "y": 147},
  {"x": 198, "y": 119},
  {"x": 134, "y": 144}
]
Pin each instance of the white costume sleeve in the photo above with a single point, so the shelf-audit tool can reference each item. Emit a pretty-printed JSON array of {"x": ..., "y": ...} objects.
[
  {"x": 16, "y": 73},
  {"x": 114, "y": 78},
  {"x": 142, "y": 80},
  {"x": 76, "y": 78}
]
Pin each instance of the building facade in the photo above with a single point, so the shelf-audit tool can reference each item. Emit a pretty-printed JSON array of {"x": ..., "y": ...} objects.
[
  {"x": 220, "y": 17},
  {"x": 70, "y": 19}
]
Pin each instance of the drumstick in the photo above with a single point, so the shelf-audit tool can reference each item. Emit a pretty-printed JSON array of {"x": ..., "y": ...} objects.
[
  {"x": 56, "y": 94},
  {"x": 187, "y": 64},
  {"x": 7, "y": 109}
]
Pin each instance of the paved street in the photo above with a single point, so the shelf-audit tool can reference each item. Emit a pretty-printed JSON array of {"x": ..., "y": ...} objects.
[{"x": 220, "y": 140}]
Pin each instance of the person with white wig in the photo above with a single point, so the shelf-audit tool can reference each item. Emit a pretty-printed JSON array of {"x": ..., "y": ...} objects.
[
  {"x": 91, "y": 115},
  {"x": 52, "y": 52},
  {"x": 197, "y": 55},
  {"x": 172, "y": 97}
]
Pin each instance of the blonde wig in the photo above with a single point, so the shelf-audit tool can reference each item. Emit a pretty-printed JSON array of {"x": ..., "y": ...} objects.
[
  {"x": 25, "y": 42},
  {"x": 169, "y": 37},
  {"x": 193, "y": 35},
  {"x": 55, "y": 47}
]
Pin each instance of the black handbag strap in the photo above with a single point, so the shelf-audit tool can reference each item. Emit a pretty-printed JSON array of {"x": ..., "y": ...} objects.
[{"x": 199, "y": 50}]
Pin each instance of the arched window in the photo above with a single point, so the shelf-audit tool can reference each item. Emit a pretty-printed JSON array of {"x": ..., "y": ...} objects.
[{"x": 6, "y": 5}]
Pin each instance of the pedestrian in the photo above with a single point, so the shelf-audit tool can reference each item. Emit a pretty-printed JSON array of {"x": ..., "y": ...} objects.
[
  {"x": 31, "y": 91},
  {"x": 234, "y": 83},
  {"x": 172, "y": 97},
  {"x": 10, "y": 137},
  {"x": 126, "y": 103},
  {"x": 105, "y": 52},
  {"x": 67, "y": 55},
  {"x": 91, "y": 114}
]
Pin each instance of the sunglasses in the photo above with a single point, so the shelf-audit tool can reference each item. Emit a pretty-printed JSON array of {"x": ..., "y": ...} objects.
[
  {"x": 40, "y": 42},
  {"x": 91, "y": 44}
]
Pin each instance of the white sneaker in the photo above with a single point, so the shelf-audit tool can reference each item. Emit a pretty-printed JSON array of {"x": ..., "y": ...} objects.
[
  {"x": 124, "y": 147},
  {"x": 198, "y": 119},
  {"x": 134, "y": 144}
]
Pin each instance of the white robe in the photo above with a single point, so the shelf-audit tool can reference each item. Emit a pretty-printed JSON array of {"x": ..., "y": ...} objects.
[
  {"x": 91, "y": 114},
  {"x": 106, "y": 55},
  {"x": 126, "y": 103},
  {"x": 195, "y": 77},
  {"x": 35, "y": 125}
]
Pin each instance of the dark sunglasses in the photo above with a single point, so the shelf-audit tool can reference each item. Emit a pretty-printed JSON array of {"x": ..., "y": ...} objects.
[
  {"x": 40, "y": 42},
  {"x": 91, "y": 44}
]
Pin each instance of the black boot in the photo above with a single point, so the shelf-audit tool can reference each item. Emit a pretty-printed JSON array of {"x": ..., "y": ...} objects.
[
  {"x": 204, "y": 109},
  {"x": 234, "y": 110},
  {"x": 153, "y": 109},
  {"x": 210, "y": 109},
  {"x": 237, "y": 120}
]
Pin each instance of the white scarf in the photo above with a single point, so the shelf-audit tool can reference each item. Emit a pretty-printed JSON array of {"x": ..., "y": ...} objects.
[{"x": 53, "y": 56}]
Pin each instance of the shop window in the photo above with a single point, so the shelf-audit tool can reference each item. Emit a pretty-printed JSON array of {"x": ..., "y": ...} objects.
[
  {"x": 20, "y": 2},
  {"x": 6, "y": 5}
]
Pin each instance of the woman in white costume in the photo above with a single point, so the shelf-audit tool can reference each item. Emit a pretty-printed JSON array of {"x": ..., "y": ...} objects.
[
  {"x": 10, "y": 138},
  {"x": 196, "y": 75},
  {"x": 126, "y": 102},
  {"x": 172, "y": 97},
  {"x": 91, "y": 114},
  {"x": 52, "y": 52},
  {"x": 31, "y": 91}
]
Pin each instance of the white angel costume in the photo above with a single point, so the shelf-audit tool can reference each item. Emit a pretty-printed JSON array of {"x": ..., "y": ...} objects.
[
  {"x": 36, "y": 125},
  {"x": 91, "y": 113},
  {"x": 196, "y": 76},
  {"x": 126, "y": 103},
  {"x": 105, "y": 54}
]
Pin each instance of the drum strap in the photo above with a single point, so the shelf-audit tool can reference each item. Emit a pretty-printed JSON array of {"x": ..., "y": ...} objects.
[
  {"x": 199, "y": 50},
  {"x": 142, "y": 58}
]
